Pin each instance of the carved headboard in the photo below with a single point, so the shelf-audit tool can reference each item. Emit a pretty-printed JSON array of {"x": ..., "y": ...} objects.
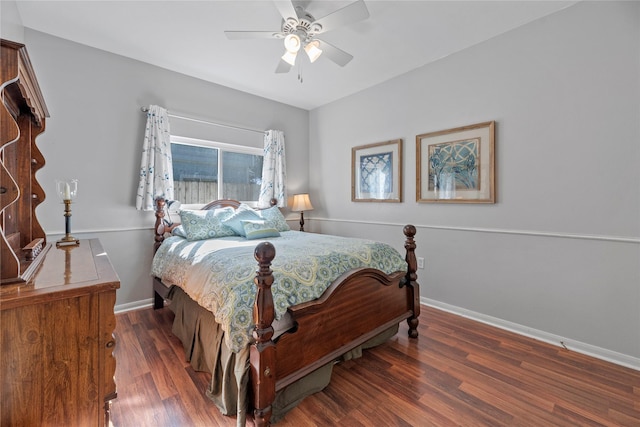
[{"x": 161, "y": 228}]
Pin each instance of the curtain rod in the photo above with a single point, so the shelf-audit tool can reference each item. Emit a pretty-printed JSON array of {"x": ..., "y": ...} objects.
[{"x": 145, "y": 109}]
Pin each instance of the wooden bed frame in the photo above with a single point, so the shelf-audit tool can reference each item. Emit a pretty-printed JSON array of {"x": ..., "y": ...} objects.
[{"x": 359, "y": 305}]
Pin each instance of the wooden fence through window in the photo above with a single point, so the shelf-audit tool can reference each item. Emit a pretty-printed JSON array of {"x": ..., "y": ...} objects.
[{"x": 204, "y": 191}]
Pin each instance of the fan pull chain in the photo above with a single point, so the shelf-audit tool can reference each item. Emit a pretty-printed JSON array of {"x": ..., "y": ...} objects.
[{"x": 300, "y": 72}]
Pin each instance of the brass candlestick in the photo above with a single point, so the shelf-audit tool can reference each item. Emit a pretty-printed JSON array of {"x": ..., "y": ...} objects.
[
  {"x": 68, "y": 239},
  {"x": 67, "y": 191}
]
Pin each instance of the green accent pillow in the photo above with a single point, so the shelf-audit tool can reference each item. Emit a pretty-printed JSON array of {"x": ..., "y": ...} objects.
[
  {"x": 200, "y": 225},
  {"x": 259, "y": 229},
  {"x": 275, "y": 217}
]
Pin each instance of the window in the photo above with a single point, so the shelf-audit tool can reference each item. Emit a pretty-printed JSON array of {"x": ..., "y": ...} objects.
[{"x": 207, "y": 170}]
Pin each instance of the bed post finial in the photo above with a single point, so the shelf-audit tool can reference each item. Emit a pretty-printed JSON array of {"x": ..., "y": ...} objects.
[
  {"x": 159, "y": 228},
  {"x": 412, "y": 277},
  {"x": 263, "y": 351}
]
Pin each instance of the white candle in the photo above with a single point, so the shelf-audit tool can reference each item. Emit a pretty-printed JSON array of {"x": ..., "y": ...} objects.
[{"x": 67, "y": 192}]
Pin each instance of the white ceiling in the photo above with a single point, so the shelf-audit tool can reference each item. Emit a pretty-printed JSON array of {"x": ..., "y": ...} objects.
[{"x": 188, "y": 37}]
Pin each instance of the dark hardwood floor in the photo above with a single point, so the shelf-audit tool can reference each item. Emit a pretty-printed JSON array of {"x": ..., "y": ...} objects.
[{"x": 457, "y": 373}]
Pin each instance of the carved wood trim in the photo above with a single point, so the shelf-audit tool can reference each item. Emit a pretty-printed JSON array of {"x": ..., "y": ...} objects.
[
  {"x": 411, "y": 278},
  {"x": 262, "y": 353},
  {"x": 30, "y": 89},
  {"x": 159, "y": 228},
  {"x": 22, "y": 119}
]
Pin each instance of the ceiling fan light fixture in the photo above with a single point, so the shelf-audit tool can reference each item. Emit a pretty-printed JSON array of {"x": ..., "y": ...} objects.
[
  {"x": 292, "y": 43},
  {"x": 290, "y": 57},
  {"x": 313, "y": 50},
  {"x": 298, "y": 29}
]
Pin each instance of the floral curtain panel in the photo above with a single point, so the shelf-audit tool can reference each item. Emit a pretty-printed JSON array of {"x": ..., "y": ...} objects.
[
  {"x": 156, "y": 169},
  {"x": 274, "y": 172}
]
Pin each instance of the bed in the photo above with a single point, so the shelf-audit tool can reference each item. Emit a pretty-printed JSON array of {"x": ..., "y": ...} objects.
[{"x": 295, "y": 333}]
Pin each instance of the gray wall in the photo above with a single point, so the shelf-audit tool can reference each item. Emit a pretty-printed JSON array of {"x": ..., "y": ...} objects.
[
  {"x": 95, "y": 135},
  {"x": 10, "y": 22},
  {"x": 558, "y": 256},
  {"x": 559, "y": 252}
]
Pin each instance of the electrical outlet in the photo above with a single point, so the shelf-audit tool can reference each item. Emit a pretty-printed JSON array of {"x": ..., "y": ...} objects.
[{"x": 420, "y": 262}]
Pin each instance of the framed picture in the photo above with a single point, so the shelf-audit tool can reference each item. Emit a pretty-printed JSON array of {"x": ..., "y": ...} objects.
[
  {"x": 376, "y": 172},
  {"x": 456, "y": 165}
]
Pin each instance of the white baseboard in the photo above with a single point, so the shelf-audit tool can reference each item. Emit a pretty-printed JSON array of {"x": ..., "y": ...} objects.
[
  {"x": 136, "y": 305},
  {"x": 577, "y": 346}
]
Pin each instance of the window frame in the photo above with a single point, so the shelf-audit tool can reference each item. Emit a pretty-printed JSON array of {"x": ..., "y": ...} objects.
[{"x": 221, "y": 147}]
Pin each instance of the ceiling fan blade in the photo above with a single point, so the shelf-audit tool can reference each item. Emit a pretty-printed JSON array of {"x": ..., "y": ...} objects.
[
  {"x": 354, "y": 12},
  {"x": 283, "y": 67},
  {"x": 335, "y": 54},
  {"x": 287, "y": 10},
  {"x": 242, "y": 35}
]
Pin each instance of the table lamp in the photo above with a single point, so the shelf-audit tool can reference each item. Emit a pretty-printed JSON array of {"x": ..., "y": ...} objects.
[{"x": 301, "y": 203}]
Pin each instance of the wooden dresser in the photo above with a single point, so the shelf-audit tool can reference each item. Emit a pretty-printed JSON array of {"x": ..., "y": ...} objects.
[{"x": 56, "y": 345}]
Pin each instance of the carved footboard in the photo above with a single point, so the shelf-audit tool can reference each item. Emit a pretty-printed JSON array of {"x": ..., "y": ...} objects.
[{"x": 356, "y": 307}]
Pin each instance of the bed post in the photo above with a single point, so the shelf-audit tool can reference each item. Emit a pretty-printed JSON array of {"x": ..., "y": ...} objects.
[
  {"x": 159, "y": 290},
  {"x": 263, "y": 350},
  {"x": 411, "y": 278},
  {"x": 159, "y": 227}
]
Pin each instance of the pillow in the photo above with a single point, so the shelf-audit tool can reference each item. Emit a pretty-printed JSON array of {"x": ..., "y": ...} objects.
[
  {"x": 275, "y": 217},
  {"x": 255, "y": 229},
  {"x": 199, "y": 225},
  {"x": 243, "y": 213},
  {"x": 226, "y": 212},
  {"x": 179, "y": 231}
]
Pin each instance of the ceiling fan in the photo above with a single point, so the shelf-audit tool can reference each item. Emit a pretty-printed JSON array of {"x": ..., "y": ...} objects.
[{"x": 299, "y": 30}]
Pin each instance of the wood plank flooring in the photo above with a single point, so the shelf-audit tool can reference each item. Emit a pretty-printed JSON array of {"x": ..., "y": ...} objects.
[{"x": 457, "y": 373}]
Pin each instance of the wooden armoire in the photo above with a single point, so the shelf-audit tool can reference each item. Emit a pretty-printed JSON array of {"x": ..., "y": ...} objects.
[{"x": 56, "y": 302}]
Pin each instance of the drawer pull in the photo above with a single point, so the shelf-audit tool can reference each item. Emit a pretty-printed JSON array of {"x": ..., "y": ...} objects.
[{"x": 111, "y": 344}]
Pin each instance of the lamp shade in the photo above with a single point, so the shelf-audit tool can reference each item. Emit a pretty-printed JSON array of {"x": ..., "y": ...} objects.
[
  {"x": 173, "y": 205},
  {"x": 301, "y": 202},
  {"x": 313, "y": 50},
  {"x": 292, "y": 43},
  {"x": 290, "y": 57}
]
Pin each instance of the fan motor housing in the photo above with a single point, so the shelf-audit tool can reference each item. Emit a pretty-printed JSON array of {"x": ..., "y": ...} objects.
[{"x": 303, "y": 27}]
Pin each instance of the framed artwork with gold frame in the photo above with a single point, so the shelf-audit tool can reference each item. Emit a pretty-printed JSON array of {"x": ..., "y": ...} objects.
[
  {"x": 376, "y": 172},
  {"x": 456, "y": 165}
]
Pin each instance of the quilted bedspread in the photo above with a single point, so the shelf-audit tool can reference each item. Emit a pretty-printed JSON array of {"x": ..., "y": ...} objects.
[{"x": 218, "y": 273}]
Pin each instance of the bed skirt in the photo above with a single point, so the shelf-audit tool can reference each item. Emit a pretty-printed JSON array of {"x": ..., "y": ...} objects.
[{"x": 204, "y": 347}]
